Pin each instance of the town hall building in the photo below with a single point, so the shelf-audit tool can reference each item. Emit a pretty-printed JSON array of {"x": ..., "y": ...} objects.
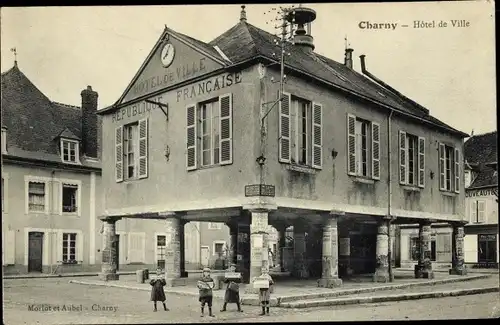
[{"x": 203, "y": 132}]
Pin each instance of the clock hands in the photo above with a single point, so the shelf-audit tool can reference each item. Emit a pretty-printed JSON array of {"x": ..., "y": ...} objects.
[{"x": 166, "y": 53}]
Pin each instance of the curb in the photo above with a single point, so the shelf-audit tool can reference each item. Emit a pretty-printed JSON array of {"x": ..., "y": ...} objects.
[
  {"x": 399, "y": 297},
  {"x": 61, "y": 275}
]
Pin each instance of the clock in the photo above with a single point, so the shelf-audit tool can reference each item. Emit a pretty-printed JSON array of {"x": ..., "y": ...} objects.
[{"x": 167, "y": 55}]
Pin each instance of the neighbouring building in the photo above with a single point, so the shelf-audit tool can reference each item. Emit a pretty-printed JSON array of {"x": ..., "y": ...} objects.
[
  {"x": 481, "y": 201},
  {"x": 204, "y": 134}
]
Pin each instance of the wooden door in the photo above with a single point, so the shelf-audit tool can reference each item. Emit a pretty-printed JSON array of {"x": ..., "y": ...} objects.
[
  {"x": 35, "y": 251},
  {"x": 205, "y": 256}
]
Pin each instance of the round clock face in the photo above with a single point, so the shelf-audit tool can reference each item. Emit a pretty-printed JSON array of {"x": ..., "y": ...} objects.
[{"x": 167, "y": 55}]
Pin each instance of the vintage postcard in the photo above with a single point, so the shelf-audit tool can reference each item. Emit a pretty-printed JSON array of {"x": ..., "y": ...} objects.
[{"x": 249, "y": 163}]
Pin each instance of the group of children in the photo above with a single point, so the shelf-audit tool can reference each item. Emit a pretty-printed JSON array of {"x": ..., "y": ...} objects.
[{"x": 205, "y": 286}]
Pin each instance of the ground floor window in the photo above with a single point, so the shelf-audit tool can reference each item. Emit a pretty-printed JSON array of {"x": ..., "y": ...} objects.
[
  {"x": 487, "y": 248},
  {"x": 161, "y": 244},
  {"x": 415, "y": 250},
  {"x": 69, "y": 248}
]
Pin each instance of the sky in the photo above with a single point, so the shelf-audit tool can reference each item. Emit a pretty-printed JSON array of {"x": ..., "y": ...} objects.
[{"x": 449, "y": 70}]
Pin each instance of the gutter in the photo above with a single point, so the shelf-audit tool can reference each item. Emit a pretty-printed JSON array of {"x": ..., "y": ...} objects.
[
  {"x": 45, "y": 163},
  {"x": 389, "y": 194}
]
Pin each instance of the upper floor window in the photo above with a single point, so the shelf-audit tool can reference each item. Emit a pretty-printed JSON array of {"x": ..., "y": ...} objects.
[
  {"x": 411, "y": 159},
  {"x": 69, "y": 198},
  {"x": 69, "y": 151},
  {"x": 4, "y": 140},
  {"x": 3, "y": 199},
  {"x": 478, "y": 211},
  {"x": 449, "y": 168},
  {"x": 363, "y": 144},
  {"x": 300, "y": 132},
  {"x": 467, "y": 178},
  {"x": 209, "y": 133},
  {"x": 36, "y": 197},
  {"x": 131, "y": 151}
]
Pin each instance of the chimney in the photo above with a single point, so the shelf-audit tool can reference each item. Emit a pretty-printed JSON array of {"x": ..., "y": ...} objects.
[
  {"x": 89, "y": 123},
  {"x": 348, "y": 58}
]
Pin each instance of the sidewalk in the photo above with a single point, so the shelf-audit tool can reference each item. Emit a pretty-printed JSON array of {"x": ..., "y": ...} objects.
[
  {"x": 469, "y": 270},
  {"x": 59, "y": 275},
  {"x": 289, "y": 290}
]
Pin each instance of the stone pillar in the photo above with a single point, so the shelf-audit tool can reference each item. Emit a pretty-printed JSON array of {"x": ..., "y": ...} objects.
[
  {"x": 344, "y": 249},
  {"x": 382, "y": 252},
  {"x": 182, "y": 242},
  {"x": 174, "y": 228},
  {"x": 457, "y": 242},
  {"x": 300, "y": 269},
  {"x": 233, "y": 243},
  {"x": 330, "y": 258},
  {"x": 109, "y": 254},
  {"x": 424, "y": 267},
  {"x": 281, "y": 246},
  {"x": 259, "y": 229}
]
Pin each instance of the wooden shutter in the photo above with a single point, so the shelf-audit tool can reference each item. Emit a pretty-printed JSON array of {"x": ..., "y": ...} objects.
[
  {"x": 10, "y": 247},
  {"x": 317, "y": 139},
  {"x": 473, "y": 211},
  {"x": 226, "y": 129},
  {"x": 375, "y": 150},
  {"x": 442, "y": 161},
  {"x": 351, "y": 144},
  {"x": 284, "y": 129},
  {"x": 136, "y": 244},
  {"x": 191, "y": 137},
  {"x": 119, "y": 153},
  {"x": 421, "y": 161},
  {"x": 443, "y": 247},
  {"x": 402, "y": 157},
  {"x": 457, "y": 171},
  {"x": 481, "y": 211},
  {"x": 143, "y": 148}
]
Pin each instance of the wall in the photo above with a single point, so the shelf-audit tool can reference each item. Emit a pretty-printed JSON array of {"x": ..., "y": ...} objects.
[{"x": 333, "y": 184}]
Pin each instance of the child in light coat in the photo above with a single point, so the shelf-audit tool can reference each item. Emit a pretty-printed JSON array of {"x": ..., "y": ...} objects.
[
  {"x": 205, "y": 286},
  {"x": 265, "y": 293}
]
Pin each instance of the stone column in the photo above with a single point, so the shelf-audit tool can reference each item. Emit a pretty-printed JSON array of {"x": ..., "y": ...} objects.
[
  {"x": 259, "y": 229},
  {"x": 182, "y": 242},
  {"x": 457, "y": 242},
  {"x": 382, "y": 252},
  {"x": 281, "y": 246},
  {"x": 109, "y": 254},
  {"x": 344, "y": 248},
  {"x": 392, "y": 233},
  {"x": 330, "y": 259},
  {"x": 174, "y": 228},
  {"x": 300, "y": 269},
  {"x": 424, "y": 267},
  {"x": 233, "y": 243}
]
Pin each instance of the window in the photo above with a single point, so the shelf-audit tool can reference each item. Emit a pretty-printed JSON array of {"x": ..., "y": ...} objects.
[
  {"x": 415, "y": 248},
  {"x": 363, "y": 143},
  {"x": 209, "y": 133},
  {"x": 161, "y": 244},
  {"x": 3, "y": 200},
  {"x": 69, "y": 150},
  {"x": 69, "y": 195},
  {"x": 449, "y": 168},
  {"x": 219, "y": 248},
  {"x": 69, "y": 248},
  {"x": 478, "y": 211},
  {"x": 468, "y": 178},
  {"x": 36, "y": 196},
  {"x": 412, "y": 159},
  {"x": 131, "y": 151},
  {"x": 4, "y": 140},
  {"x": 300, "y": 132},
  {"x": 214, "y": 225}
]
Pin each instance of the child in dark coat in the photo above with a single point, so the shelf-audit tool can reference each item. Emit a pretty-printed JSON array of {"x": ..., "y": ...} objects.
[
  {"x": 232, "y": 294},
  {"x": 265, "y": 293},
  {"x": 157, "y": 292},
  {"x": 205, "y": 285}
]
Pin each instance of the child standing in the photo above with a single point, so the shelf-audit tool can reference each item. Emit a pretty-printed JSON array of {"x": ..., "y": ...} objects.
[
  {"x": 232, "y": 294},
  {"x": 157, "y": 292},
  {"x": 265, "y": 293},
  {"x": 205, "y": 285}
]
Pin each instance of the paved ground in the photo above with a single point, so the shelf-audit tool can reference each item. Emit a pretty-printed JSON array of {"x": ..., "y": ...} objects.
[{"x": 132, "y": 306}]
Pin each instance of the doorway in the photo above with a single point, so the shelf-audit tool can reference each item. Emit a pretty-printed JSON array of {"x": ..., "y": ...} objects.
[
  {"x": 116, "y": 248},
  {"x": 205, "y": 255},
  {"x": 35, "y": 252},
  {"x": 487, "y": 250}
]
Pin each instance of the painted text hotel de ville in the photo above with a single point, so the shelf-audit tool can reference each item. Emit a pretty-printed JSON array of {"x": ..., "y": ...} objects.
[{"x": 257, "y": 131}]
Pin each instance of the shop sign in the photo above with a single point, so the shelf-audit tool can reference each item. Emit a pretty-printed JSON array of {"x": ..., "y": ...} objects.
[
  {"x": 260, "y": 190},
  {"x": 482, "y": 192},
  {"x": 488, "y": 237}
]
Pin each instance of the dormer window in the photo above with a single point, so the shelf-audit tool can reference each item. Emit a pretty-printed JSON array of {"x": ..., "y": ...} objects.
[
  {"x": 69, "y": 151},
  {"x": 4, "y": 140}
]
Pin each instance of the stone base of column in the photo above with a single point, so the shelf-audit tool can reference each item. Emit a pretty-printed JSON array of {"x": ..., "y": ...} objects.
[
  {"x": 329, "y": 282},
  {"x": 381, "y": 275},
  {"x": 108, "y": 276},
  {"x": 427, "y": 274},
  {"x": 176, "y": 282},
  {"x": 417, "y": 271},
  {"x": 458, "y": 271},
  {"x": 184, "y": 274}
]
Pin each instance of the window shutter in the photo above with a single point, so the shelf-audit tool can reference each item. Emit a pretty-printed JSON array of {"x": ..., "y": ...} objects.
[
  {"x": 481, "y": 211},
  {"x": 457, "y": 171},
  {"x": 402, "y": 157},
  {"x": 284, "y": 129},
  {"x": 226, "y": 129},
  {"x": 10, "y": 247},
  {"x": 317, "y": 139},
  {"x": 473, "y": 211},
  {"x": 119, "y": 153},
  {"x": 421, "y": 161},
  {"x": 191, "y": 158},
  {"x": 351, "y": 144},
  {"x": 143, "y": 148},
  {"x": 443, "y": 248},
  {"x": 375, "y": 150},
  {"x": 442, "y": 179}
]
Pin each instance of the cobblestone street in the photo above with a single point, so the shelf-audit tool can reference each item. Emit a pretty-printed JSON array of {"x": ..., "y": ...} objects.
[{"x": 133, "y": 306}]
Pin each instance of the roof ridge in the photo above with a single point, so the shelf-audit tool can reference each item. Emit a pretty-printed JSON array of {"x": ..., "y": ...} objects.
[
  {"x": 483, "y": 134},
  {"x": 65, "y": 105}
]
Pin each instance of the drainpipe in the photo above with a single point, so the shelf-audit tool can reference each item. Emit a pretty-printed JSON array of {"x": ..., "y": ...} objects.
[
  {"x": 389, "y": 194},
  {"x": 52, "y": 205}
]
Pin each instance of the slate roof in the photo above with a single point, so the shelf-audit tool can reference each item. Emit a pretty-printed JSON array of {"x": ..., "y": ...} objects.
[
  {"x": 34, "y": 122},
  {"x": 481, "y": 150}
]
